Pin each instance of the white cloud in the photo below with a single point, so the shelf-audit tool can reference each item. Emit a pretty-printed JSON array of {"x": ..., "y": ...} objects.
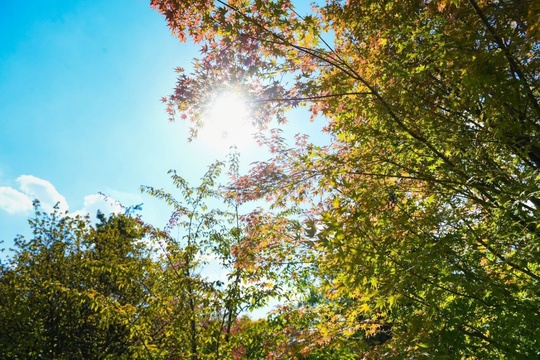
[
  {"x": 42, "y": 190},
  {"x": 13, "y": 201},
  {"x": 95, "y": 202}
]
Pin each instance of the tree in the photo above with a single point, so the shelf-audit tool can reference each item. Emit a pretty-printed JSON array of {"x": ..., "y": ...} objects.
[
  {"x": 427, "y": 230},
  {"x": 201, "y": 317},
  {"x": 74, "y": 291}
]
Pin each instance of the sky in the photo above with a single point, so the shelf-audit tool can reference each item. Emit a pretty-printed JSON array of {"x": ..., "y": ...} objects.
[{"x": 80, "y": 110}]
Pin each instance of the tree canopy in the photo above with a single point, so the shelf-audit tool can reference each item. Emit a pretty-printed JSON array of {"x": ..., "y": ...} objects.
[
  {"x": 423, "y": 211},
  {"x": 74, "y": 291},
  {"x": 124, "y": 289}
]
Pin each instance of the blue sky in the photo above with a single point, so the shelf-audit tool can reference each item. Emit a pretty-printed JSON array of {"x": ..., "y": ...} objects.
[{"x": 80, "y": 110}]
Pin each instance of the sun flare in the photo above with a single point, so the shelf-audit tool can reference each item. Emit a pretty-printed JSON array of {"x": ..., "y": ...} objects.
[{"x": 227, "y": 122}]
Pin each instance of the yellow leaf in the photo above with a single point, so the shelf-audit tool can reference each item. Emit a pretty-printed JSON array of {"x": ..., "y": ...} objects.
[{"x": 364, "y": 308}]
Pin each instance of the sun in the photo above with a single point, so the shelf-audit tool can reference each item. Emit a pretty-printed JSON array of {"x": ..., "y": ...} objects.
[{"x": 227, "y": 122}]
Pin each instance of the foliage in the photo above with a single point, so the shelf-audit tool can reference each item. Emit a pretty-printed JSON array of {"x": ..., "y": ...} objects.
[
  {"x": 74, "y": 291},
  {"x": 125, "y": 289},
  {"x": 200, "y": 312},
  {"x": 423, "y": 212}
]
